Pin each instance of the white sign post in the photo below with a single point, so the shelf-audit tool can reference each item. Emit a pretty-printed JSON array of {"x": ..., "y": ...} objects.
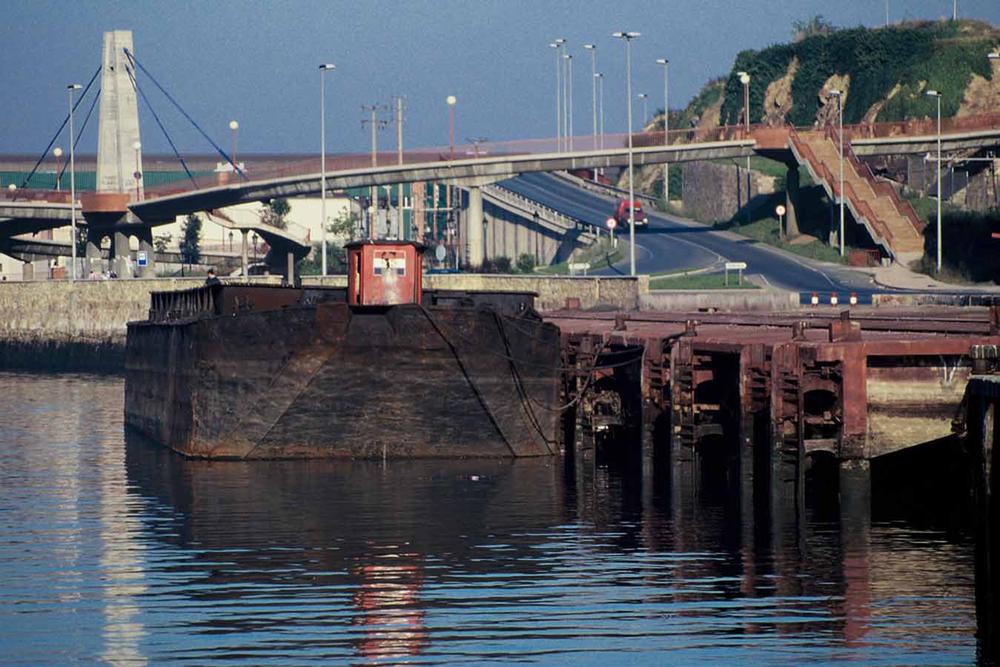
[
  {"x": 780, "y": 210},
  {"x": 612, "y": 223},
  {"x": 735, "y": 266}
]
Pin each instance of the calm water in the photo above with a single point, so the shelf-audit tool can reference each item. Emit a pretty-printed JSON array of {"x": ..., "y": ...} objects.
[{"x": 122, "y": 553}]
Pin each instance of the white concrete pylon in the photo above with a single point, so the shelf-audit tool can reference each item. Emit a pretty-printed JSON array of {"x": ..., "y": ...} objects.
[{"x": 118, "y": 161}]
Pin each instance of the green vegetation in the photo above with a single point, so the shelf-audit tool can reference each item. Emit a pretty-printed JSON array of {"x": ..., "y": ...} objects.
[
  {"x": 917, "y": 56},
  {"x": 700, "y": 281},
  {"x": 676, "y": 184},
  {"x": 338, "y": 232},
  {"x": 274, "y": 214},
  {"x": 706, "y": 97},
  {"x": 765, "y": 230},
  {"x": 190, "y": 245},
  {"x": 601, "y": 255}
]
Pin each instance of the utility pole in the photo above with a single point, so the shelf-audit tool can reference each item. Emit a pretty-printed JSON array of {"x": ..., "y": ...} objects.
[{"x": 376, "y": 124}]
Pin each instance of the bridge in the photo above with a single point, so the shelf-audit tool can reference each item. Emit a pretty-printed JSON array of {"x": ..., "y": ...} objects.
[{"x": 127, "y": 208}]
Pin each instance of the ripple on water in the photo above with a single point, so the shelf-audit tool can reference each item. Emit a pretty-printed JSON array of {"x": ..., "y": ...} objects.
[{"x": 121, "y": 552}]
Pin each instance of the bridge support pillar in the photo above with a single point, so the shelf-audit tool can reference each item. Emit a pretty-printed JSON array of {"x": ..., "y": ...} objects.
[
  {"x": 145, "y": 236},
  {"x": 243, "y": 252},
  {"x": 120, "y": 261},
  {"x": 290, "y": 274},
  {"x": 92, "y": 253},
  {"x": 474, "y": 227},
  {"x": 791, "y": 201}
]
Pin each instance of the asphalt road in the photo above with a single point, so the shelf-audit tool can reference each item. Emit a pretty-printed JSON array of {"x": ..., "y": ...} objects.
[{"x": 670, "y": 245}]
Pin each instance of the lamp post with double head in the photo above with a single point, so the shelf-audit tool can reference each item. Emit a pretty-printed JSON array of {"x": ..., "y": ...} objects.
[
  {"x": 569, "y": 100},
  {"x": 627, "y": 37},
  {"x": 557, "y": 45},
  {"x": 937, "y": 96},
  {"x": 323, "y": 69},
  {"x": 666, "y": 126},
  {"x": 840, "y": 149},
  {"x": 71, "y": 89}
]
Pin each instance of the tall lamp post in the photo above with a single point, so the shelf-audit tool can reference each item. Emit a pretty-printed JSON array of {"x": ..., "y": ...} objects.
[
  {"x": 937, "y": 95},
  {"x": 234, "y": 127},
  {"x": 666, "y": 127},
  {"x": 745, "y": 80},
  {"x": 71, "y": 89},
  {"x": 57, "y": 152},
  {"x": 600, "y": 106},
  {"x": 569, "y": 100},
  {"x": 323, "y": 69},
  {"x": 557, "y": 45},
  {"x": 451, "y": 101},
  {"x": 627, "y": 37},
  {"x": 840, "y": 147},
  {"x": 593, "y": 92}
]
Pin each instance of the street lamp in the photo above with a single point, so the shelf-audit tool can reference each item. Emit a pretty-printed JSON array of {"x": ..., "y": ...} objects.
[
  {"x": 557, "y": 45},
  {"x": 937, "y": 95},
  {"x": 645, "y": 110},
  {"x": 745, "y": 80},
  {"x": 323, "y": 69},
  {"x": 600, "y": 105},
  {"x": 569, "y": 100},
  {"x": 593, "y": 91},
  {"x": 71, "y": 89},
  {"x": 233, "y": 126},
  {"x": 666, "y": 127},
  {"x": 627, "y": 37},
  {"x": 451, "y": 101},
  {"x": 840, "y": 136},
  {"x": 57, "y": 152},
  {"x": 136, "y": 146}
]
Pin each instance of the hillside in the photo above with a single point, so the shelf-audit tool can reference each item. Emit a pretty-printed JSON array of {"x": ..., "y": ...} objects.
[{"x": 883, "y": 72}]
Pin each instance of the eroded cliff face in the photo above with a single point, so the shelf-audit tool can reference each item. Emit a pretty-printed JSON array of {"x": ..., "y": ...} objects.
[{"x": 982, "y": 95}]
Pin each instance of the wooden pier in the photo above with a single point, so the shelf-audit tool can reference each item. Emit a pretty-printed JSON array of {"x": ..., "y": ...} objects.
[{"x": 760, "y": 398}]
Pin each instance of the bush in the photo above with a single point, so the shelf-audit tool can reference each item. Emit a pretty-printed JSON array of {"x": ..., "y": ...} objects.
[
  {"x": 495, "y": 265},
  {"x": 526, "y": 263}
]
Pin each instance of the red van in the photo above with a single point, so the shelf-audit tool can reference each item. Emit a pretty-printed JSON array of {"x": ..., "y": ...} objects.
[{"x": 621, "y": 213}]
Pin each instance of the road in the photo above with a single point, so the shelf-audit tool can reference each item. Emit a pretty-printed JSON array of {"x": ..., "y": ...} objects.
[{"x": 670, "y": 245}]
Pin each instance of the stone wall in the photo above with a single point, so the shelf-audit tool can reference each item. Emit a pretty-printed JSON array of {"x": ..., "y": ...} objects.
[
  {"x": 74, "y": 326},
  {"x": 618, "y": 293},
  {"x": 81, "y": 326},
  {"x": 714, "y": 192}
]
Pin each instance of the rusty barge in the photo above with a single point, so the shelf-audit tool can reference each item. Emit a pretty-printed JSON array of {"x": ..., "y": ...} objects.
[{"x": 383, "y": 369}]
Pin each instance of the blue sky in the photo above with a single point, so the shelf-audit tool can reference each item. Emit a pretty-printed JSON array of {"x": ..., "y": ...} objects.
[{"x": 256, "y": 61}]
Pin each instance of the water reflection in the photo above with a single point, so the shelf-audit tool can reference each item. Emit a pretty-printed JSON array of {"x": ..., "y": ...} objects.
[{"x": 114, "y": 550}]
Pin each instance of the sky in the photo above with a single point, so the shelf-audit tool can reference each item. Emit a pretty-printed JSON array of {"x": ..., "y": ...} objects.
[{"x": 257, "y": 62}]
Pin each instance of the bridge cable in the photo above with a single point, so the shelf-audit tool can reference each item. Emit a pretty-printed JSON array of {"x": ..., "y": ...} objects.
[
  {"x": 180, "y": 158},
  {"x": 191, "y": 120},
  {"x": 55, "y": 137}
]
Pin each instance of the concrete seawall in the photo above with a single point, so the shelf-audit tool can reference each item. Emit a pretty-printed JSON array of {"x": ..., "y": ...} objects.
[{"x": 57, "y": 325}]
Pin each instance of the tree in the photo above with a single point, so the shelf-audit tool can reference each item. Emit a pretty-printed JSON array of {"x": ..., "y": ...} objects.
[
  {"x": 817, "y": 25},
  {"x": 274, "y": 214},
  {"x": 161, "y": 241},
  {"x": 190, "y": 245}
]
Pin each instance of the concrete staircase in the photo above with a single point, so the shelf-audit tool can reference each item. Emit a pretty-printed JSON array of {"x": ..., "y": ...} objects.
[{"x": 891, "y": 221}]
